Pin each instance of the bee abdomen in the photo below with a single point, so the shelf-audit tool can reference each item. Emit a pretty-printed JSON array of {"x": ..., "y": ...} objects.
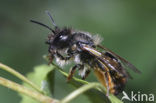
[
  {"x": 119, "y": 82},
  {"x": 115, "y": 81}
]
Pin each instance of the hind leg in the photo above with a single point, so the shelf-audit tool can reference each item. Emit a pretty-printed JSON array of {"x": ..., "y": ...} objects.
[{"x": 107, "y": 83}]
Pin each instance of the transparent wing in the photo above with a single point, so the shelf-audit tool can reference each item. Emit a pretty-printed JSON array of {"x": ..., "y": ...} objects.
[
  {"x": 125, "y": 62},
  {"x": 100, "y": 57}
]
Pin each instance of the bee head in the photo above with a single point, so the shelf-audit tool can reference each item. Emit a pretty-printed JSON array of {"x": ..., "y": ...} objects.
[{"x": 59, "y": 38}]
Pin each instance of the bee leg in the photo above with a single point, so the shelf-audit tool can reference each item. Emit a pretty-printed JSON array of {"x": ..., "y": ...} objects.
[
  {"x": 106, "y": 76},
  {"x": 72, "y": 71},
  {"x": 107, "y": 84},
  {"x": 86, "y": 74},
  {"x": 62, "y": 57},
  {"x": 50, "y": 57},
  {"x": 50, "y": 60}
]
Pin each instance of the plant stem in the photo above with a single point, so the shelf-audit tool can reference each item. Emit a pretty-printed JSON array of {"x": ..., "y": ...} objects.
[
  {"x": 26, "y": 91},
  {"x": 79, "y": 91},
  {"x": 86, "y": 87},
  {"x": 98, "y": 86},
  {"x": 76, "y": 79},
  {"x": 20, "y": 76},
  {"x": 66, "y": 75}
]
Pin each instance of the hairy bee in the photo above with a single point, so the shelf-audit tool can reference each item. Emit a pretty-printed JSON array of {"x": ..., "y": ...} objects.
[{"x": 67, "y": 44}]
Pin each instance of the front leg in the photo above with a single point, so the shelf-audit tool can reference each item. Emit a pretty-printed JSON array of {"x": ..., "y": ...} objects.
[
  {"x": 61, "y": 60},
  {"x": 50, "y": 57},
  {"x": 62, "y": 57}
]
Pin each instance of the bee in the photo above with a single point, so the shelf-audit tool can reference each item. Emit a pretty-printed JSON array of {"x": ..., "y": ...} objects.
[{"x": 66, "y": 44}]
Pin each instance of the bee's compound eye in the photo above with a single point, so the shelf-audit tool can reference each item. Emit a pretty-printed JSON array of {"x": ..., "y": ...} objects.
[
  {"x": 61, "y": 41},
  {"x": 63, "y": 37}
]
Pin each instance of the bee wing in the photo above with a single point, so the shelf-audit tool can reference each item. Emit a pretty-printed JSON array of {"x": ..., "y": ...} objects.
[
  {"x": 99, "y": 56},
  {"x": 112, "y": 77},
  {"x": 125, "y": 62}
]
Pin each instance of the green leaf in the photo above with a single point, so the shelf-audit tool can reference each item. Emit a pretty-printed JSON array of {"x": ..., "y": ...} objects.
[
  {"x": 57, "y": 87},
  {"x": 63, "y": 88},
  {"x": 40, "y": 77},
  {"x": 91, "y": 96}
]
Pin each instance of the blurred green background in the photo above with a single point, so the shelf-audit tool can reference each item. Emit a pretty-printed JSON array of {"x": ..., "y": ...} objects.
[{"x": 128, "y": 28}]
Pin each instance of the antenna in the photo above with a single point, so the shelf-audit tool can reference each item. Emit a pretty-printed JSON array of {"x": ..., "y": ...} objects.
[
  {"x": 36, "y": 22},
  {"x": 53, "y": 22}
]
